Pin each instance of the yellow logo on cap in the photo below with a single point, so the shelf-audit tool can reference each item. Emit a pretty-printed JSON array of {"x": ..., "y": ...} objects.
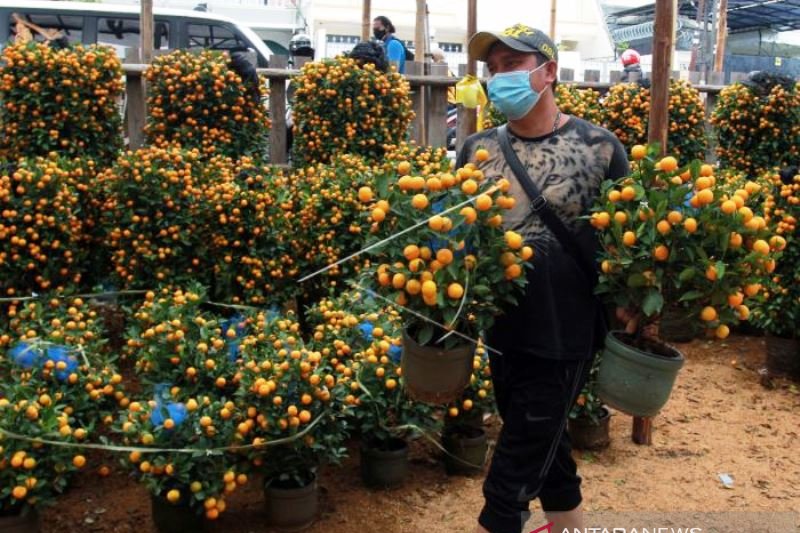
[
  {"x": 547, "y": 50},
  {"x": 517, "y": 30}
]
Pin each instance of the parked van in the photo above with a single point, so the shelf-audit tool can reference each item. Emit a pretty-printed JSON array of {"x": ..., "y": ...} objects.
[{"x": 118, "y": 26}]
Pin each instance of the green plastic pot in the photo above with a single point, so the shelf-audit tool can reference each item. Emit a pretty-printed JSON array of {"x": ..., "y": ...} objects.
[
  {"x": 465, "y": 448},
  {"x": 435, "y": 375},
  {"x": 384, "y": 465},
  {"x": 783, "y": 357},
  {"x": 635, "y": 381},
  {"x": 175, "y": 518},
  {"x": 291, "y": 508}
]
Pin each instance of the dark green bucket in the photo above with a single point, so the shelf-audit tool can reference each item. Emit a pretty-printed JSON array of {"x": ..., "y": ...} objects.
[
  {"x": 384, "y": 466},
  {"x": 466, "y": 448},
  {"x": 175, "y": 518},
  {"x": 27, "y": 521},
  {"x": 634, "y": 381},
  {"x": 291, "y": 508}
]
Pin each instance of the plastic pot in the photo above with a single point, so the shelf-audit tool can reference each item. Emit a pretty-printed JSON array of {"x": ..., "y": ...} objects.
[
  {"x": 384, "y": 464},
  {"x": 435, "y": 375},
  {"x": 27, "y": 521},
  {"x": 584, "y": 434},
  {"x": 290, "y": 508},
  {"x": 466, "y": 448},
  {"x": 175, "y": 518},
  {"x": 783, "y": 357},
  {"x": 637, "y": 381}
]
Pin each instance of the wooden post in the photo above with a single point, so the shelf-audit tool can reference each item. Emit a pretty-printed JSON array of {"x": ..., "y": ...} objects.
[
  {"x": 146, "y": 35},
  {"x": 277, "y": 113},
  {"x": 136, "y": 110},
  {"x": 436, "y": 108},
  {"x": 722, "y": 36},
  {"x": 468, "y": 118},
  {"x": 659, "y": 126},
  {"x": 417, "y": 103},
  {"x": 366, "y": 20},
  {"x": 697, "y": 51},
  {"x": 553, "y": 11},
  {"x": 419, "y": 33}
]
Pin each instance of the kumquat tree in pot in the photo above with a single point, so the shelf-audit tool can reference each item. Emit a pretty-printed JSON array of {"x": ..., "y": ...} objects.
[
  {"x": 440, "y": 253},
  {"x": 676, "y": 245}
]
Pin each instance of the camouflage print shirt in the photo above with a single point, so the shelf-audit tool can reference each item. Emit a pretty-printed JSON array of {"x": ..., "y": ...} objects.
[{"x": 557, "y": 318}]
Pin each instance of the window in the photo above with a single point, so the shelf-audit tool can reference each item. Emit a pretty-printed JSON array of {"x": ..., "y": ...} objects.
[
  {"x": 37, "y": 25},
  {"x": 213, "y": 36},
  {"x": 123, "y": 33}
]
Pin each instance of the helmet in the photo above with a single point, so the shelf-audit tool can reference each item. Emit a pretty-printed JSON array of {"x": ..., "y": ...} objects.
[
  {"x": 630, "y": 57},
  {"x": 299, "y": 41}
]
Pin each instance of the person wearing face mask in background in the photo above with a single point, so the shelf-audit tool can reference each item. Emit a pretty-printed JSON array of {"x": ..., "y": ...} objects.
[
  {"x": 383, "y": 31},
  {"x": 555, "y": 164}
]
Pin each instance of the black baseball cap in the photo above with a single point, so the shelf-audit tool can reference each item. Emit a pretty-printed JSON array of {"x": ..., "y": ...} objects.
[{"x": 519, "y": 37}]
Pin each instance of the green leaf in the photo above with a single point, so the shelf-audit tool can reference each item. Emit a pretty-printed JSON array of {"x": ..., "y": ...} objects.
[
  {"x": 720, "y": 266},
  {"x": 481, "y": 290},
  {"x": 687, "y": 274},
  {"x": 691, "y": 295},
  {"x": 425, "y": 334},
  {"x": 636, "y": 281},
  {"x": 653, "y": 302}
]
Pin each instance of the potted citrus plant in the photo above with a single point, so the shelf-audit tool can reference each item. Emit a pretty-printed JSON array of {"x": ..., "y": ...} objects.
[
  {"x": 464, "y": 438},
  {"x": 588, "y": 424},
  {"x": 778, "y": 309},
  {"x": 441, "y": 255},
  {"x": 671, "y": 238},
  {"x": 33, "y": 474},
  {"x": 294, "y": 401}
]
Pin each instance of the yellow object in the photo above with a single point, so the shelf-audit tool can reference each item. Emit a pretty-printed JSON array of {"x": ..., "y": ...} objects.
[{"x": 470, "y": 94}]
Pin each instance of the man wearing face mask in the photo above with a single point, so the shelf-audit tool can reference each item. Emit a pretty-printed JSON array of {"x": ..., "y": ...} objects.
[
  {"x": 383, "y": 30},
  {"x": 555, "y": 164}
]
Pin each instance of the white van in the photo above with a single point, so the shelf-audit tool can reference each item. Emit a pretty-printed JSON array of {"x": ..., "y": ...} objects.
[{"x": 118, "y": 26}]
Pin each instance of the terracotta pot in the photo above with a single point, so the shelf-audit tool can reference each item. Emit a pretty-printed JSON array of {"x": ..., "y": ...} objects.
[{"x": 584, "y": 434}]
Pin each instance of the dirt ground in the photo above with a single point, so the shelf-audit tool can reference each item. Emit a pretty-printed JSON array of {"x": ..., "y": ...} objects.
[{"x": 720, "y": 420}]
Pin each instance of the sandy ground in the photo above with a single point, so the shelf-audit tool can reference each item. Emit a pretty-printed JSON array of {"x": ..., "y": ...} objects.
[{"x": 719, "y": 420}]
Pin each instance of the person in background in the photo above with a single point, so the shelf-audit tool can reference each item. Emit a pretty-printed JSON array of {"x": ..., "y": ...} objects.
[
  {"x": 438, "y": 59},
  {"x": 632, "y": 68},
  {"x": 383, "y": 30},
  {"x": 369, "y": 52}
]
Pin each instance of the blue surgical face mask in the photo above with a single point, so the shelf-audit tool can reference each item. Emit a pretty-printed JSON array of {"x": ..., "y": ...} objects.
[{"x": 512, "y": 92}]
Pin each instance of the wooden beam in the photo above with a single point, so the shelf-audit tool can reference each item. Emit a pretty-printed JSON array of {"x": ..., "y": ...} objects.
[
  {"x": 659, "y": 92},
  {"x": 135, "y": 108},
  {"x": 419, "y": 33},
  {"x": 659, "y": 126},
  {"x": 472, "y": 29},
  {"x": 277, "y": 113},
  {"x": 146, "y": 35},
  {"x": 553, "y": 12},
  {"x": 436, "y": 108},
  {"x": 366, "y": 20},
  {"x": 722, "y": 36},
  {"x": 467, "y": 119},
  {"x": 697, "y": 50}
]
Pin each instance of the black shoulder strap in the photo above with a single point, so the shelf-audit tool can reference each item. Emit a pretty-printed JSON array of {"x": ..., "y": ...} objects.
[{"x": 540, "y": 206}]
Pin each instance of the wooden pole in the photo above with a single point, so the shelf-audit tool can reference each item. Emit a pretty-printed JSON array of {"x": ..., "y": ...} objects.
[
  {"x": 553, "y": 11},
  {"x": 366, "y": 20},
  {"x": 697, "y": 50},
  {"x": 146, "y": 34},
  {"x": 467, "y": 119},
  {"x": 659, "y": 126},
  {"x": 722, "y": 36},
  {"x": 419, "y": 33}
]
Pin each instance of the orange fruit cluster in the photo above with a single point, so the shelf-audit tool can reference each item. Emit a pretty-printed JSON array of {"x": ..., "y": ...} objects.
[
  {"x": 340, "y": 107},
  {"x": 197, "y": 100},
  {"x": 60, "y": 100},
  {"x": 626, "y": 112},
  {"x": 757, "y": 128},
  {"x": 41, "y": 228}
]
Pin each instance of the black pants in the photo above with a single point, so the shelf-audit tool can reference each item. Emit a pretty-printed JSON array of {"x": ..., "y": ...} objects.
[{"x": 533, "y": 457}]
